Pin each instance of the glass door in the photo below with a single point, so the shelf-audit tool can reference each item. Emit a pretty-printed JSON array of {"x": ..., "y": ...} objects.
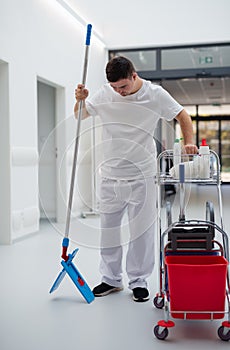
[
  {"x": 209, "y": 130},
  {"x": 217, "y": 134},
  {"x": 225, "y": 150}
]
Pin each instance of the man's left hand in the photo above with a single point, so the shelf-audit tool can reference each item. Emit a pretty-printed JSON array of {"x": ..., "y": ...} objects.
[{"x": 191, "y": 148}]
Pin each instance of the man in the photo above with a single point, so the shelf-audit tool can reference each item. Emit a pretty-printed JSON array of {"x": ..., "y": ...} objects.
[{"x": 130, "y": 108}]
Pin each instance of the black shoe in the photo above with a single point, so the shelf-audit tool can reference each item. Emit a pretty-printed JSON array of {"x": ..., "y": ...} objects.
[
  {"x": 140, "y": 294},
  {"x": 104, "y": 289}
]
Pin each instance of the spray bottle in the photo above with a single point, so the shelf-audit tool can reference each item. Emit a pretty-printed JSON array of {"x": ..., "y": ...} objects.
[
  {"x": 177, "y": 151},
  {"x": 204, "y": 160}
]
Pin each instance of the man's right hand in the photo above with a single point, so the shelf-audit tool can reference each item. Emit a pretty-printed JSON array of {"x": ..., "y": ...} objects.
[{"x": 81, "y": 93}]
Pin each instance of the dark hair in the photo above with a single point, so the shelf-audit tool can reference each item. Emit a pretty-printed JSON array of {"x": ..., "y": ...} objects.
[{"x": 119, "y": 68}]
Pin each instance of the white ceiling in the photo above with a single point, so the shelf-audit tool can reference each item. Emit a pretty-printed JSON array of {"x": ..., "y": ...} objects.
[{"x": 209, "y": 91}]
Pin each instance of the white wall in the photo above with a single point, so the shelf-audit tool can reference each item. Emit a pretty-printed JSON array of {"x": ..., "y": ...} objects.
[
  {"x": 39, "y": 39},
  {"x": 5, "y": 166}
]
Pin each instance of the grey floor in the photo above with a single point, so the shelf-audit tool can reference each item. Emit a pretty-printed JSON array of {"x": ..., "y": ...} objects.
[{"x": 33, "y": 319}]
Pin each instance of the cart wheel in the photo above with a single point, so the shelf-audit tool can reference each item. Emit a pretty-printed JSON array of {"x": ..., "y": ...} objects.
[
  {"x": 168, "y": 213},
  {"x": 222, "y": 333},
  {"x": 160, "y": 335},
  {"x": 158, "y": 302},
  {"x": 210, "y": 215}
]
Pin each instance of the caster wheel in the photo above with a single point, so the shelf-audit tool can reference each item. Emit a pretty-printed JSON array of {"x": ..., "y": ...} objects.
[
  {"x": 158, "y": 302},
  {"x": 83, "y": 216},
  {"x": 223, "y": 334},
  {"x": 160, "y": 335}
]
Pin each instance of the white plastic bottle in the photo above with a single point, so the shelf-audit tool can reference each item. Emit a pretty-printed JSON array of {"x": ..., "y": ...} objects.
[
  {"x": 204, "y": 160},
  {"x": 196, "y": 166},
  {"x": 177, "y": 151}
]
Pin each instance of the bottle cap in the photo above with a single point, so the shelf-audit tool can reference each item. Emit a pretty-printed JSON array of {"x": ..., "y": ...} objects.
[
  {"x": 203, "y": 142},
  {"x": 178, "y": 140}
]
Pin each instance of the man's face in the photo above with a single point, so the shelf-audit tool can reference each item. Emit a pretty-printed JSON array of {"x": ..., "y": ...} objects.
[{"x": 124, "y": 87}]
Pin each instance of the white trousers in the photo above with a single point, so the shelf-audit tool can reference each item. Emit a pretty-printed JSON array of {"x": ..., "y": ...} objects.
[{"x": 138, "y": 199}]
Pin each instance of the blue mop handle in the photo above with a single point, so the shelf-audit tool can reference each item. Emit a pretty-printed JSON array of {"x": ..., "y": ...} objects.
[{"x": 88, "y": 34}]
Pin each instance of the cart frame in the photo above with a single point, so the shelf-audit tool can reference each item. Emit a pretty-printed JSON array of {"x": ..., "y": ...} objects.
[{"x": 161, "y": 301}]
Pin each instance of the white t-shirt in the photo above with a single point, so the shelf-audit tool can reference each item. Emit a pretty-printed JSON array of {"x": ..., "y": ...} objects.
[{"x": 128, "y": 124}]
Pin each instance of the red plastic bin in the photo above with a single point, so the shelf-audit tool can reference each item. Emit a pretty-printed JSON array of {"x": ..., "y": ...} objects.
[{"x": 197, "y": 284}]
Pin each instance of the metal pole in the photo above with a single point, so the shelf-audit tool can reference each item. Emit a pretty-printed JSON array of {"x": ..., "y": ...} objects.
[{"x": 76, "y": 147}]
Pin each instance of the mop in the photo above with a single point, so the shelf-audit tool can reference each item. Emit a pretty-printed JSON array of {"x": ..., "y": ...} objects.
[{"x": 68, "y": 266}]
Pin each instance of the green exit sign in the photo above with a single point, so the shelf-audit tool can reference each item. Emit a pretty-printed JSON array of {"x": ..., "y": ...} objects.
[{"x": 206, "y": 60}]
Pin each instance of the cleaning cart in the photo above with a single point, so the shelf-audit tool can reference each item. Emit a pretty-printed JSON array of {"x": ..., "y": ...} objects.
[{"x": 193, "y": 271}]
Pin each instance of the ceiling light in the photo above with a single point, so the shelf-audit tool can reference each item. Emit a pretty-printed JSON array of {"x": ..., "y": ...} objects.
[{"x": 79, "y": 18}]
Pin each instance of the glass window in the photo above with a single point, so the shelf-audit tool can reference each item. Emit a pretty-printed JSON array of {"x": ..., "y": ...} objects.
[
  {"x": 214, "y": 110},
  {"x": 199, "y": 57},
  {"x": 191, "y": 110},
  {"x": 143, "y": 60}
]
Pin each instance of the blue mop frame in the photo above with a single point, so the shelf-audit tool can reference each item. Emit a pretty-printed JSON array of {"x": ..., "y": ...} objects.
[{"x": 70, "y": 269}]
